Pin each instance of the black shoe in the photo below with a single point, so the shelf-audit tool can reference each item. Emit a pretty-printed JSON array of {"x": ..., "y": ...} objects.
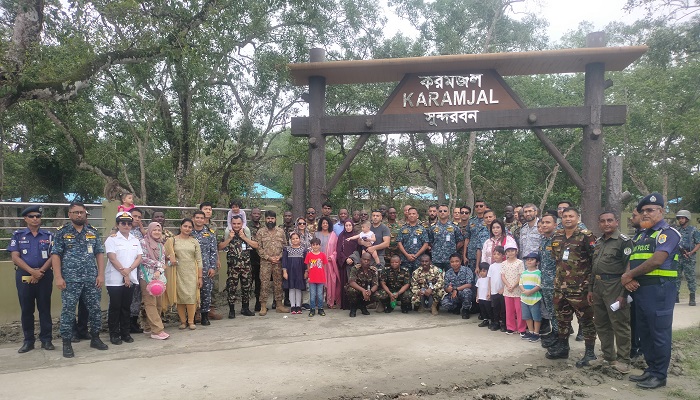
[
  {"x": 115, "y": 339},
  {"x": 559, "y": 351},
  {"x": 364, "y": 311},
  {"x": 47, "y": 345},
  {"x": 312, "y": 313},
  {"x": 692, "y": 302},
  {"x": 305, "y": 306},
  {"x": 135, "y": 327},
  {"x": 321, "y": 312},
  {"x": 127, "y": 338},
  {"x": 405, "y": 310},
  {"x": 75, "y": 339},
  {"x": 246, "y": 311},
  {"x": 388, "y": 309},
  {"x": 27, "y": 346},
  {"x": 353, "y": 312},
  {"x": 68, "y": 348},
  {"x": 504, "y": 329},
  {"x": 96, "y": 343},
  {"x": 416, "y": 307},
  {"x": 287, "y": 303},
  {"x": 652, "y": 383},
  {"x": 494, "y": 327},
  {"x": 231, "y": 311},
  {"x": 481, "y": 317},
  {"x": 484, "y": 322},
  {"x": 640, "y": 378},
  {"x": 257, "y": 305},
  {"x": 205, "y": 319},
  {"x": 274, "y": 304},
  {"x": 588, "y": 356},
  {"x": 465, "y": 313}
]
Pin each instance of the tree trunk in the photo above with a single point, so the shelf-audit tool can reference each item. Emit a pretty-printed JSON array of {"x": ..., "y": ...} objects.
[{"x": 467, "y": 166}]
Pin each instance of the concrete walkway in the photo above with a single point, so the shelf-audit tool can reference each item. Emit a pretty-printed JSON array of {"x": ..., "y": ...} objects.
[{"x": 274, "y": 357}]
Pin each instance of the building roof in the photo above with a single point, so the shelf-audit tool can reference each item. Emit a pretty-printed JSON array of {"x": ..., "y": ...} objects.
[{"x": 507, "y": 64}]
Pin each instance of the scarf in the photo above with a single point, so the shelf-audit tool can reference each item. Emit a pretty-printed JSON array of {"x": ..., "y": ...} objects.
[{"x": 153, "y": 247}]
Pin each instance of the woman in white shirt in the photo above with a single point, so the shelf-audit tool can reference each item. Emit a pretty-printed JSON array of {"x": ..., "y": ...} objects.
[{"x": 123, "y": 258}]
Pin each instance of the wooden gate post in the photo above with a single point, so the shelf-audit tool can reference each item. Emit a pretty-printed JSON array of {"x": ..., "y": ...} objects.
[
  {"x": 614, "y": 183},
  {"x": 298, "y": 190},
  {"x": 317, "y": 142},
  {"x": 592, "y": 160}
]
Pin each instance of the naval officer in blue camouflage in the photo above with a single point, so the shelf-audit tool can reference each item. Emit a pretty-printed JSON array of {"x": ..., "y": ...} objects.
[
  {"x": 79, "y": 268},
  {"x": 651, "y": 277},
  {"x": 30, "y": 248}
]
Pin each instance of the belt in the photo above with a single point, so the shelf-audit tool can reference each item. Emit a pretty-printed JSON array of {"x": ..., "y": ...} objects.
[
  {"x": 607, "y": 277},
  {"x": 653, "y": 280}
]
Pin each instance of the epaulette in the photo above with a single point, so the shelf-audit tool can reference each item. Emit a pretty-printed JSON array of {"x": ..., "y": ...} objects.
[
  {"x": 586, "y": 232},
  {"x": 624, "y": 237}
]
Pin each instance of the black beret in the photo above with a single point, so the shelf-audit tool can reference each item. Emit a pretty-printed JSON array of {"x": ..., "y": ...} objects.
[
  {"x": 654, "y": 199},
  {"x": 31, "y": 209}
]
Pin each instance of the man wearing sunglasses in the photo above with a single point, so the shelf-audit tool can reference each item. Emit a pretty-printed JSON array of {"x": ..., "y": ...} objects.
[
  {"x": 311, "y": 219},
  {"x": 30, "y": 248}
]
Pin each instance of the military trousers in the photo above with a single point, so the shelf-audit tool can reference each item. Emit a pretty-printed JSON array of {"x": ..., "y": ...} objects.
[
  {"x": 462, "y": 301},
  {"x": 268, "y": 269},
  {"x": 356, "y": 299},
  {"x": 566, "y": 304},
  {"x": 686, "y": 267},
  {"x": 205, "y": 292},
  {"x": 404, "y": 298},
  {"x": 548, "y": 305},
  {"x": 612, "y": 327},
  {"x": 91, "y": 296},
  {"x": 238, "y": 272}
]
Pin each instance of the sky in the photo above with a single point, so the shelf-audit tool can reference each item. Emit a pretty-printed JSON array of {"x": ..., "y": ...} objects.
[{"x": 563, "y": 15}]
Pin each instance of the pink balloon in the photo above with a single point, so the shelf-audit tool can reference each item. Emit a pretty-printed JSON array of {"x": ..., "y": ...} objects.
[{"x": 155, "y": 287}]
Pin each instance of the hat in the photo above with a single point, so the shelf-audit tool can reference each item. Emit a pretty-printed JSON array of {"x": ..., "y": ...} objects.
[
  {"x": 31, "y": 209},
  {"x": 534, "y": 255},
  {"x": 654, "y": 199},
  {"x": 683, "y": 213},
  {"x": 510, "y": 246},
  {"x": 124, "y": 216}
]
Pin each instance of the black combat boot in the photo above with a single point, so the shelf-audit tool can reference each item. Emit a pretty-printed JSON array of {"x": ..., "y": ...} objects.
[
  {"x": 560, "y": 350},
  {"x": 363, "y": 308},
  {"x": 96, "y": 343},
  {"x": 115, "y": 339},
  {"x": 405, "y": 308},
  {"x": 692, "y": 300},
  {"x": 205, "y": 318},
  {"x": 550, "y": 340},
  {"x": 465, "y": 313},
  {"x": 257, "y": 304},
  {"x": 231, "y": 311},
  {"x": 388, "y": 308},
  {"x": 245, "y": 310},
  {"x": 579, "y": 335},
  {"x": 353, "y": 312},
  {"x": 68, "y": 348},
  {"x": 588, "y": 357}
]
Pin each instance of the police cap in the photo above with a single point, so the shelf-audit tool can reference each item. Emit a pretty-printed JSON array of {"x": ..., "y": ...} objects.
[
  {"x": 653, "y": 199},
  {"x": 534, "y": 255},
  {"x": 31, "y": 209}
]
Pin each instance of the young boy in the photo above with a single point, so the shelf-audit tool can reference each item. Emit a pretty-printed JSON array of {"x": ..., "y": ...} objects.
[
  {"x": 316, "y": 263},
  {"x": 530, "y": 282},
  {"x": 483, "y": 297},
  {"x": 368, "y": 236},
  {"x": 498, "y": 303}
]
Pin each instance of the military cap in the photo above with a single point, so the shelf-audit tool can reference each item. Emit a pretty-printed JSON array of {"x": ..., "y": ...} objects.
[
  {"x": 31, "y": 209},
  {"x": 124, "y": 216},
  {"x": 534, "y": 255},
  {"x": 683, "y": 213},
  {"x": 653, "y": 199}
]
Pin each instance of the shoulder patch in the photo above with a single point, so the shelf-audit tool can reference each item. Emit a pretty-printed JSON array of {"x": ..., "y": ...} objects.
[
  {"x": 627, "y": 251},
  {"x": 662, "y": 238}
]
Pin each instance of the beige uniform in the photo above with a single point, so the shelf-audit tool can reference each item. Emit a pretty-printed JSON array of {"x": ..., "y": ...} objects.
[{"x": 271, "y": 243}]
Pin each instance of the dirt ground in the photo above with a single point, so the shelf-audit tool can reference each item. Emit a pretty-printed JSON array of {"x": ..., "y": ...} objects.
[{"x": 378, "y": 356}]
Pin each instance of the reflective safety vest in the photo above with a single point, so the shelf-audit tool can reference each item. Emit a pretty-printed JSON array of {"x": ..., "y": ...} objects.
[{"x": 644, "y": 248}]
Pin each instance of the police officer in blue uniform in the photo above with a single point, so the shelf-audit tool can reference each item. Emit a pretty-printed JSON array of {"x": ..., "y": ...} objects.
[
  {"x": 30, "y": 248},
  {"x": 79, "y": 268},
  {"x": 651, "y": 278}
]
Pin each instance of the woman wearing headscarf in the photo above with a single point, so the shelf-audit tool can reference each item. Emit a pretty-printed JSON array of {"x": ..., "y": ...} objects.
[
  {"x": 152, "y": 267},
  {"x": 329, "y": 244},
  {"x": 124, "y": 256},
  {"x": 185, "y": 254},
  {"x": 344, "y": 263}
]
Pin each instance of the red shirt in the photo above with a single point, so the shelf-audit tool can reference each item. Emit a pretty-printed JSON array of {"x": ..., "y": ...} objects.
[{"x": 316, "y": 264}]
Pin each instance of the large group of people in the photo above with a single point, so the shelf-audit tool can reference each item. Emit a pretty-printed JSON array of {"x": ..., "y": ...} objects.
[{"x": 526, "y": 273}]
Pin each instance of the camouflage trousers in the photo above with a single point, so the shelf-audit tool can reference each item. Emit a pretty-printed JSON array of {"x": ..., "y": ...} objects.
[
  {"x": 91, "y": 296},
  {"x": 686, "y": 266},
  {"x": 238, "y": 272},
  {"x": 462, "y": 301},
  {"x": 570, "y": 302},
  {"x": 205, "y": 292},
  {"x": 404, "y": 298},
  {"x": 356, "y": 299},
  {"x": 548, "y": 308},
  {"x": 268, "y": 269}
]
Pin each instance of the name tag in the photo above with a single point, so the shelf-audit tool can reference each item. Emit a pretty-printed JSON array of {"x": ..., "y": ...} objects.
[
  {"x": 415, "y": 240},
  {"x": 89, "y": 248},
  {"x": 244, "y": 246},
  {"x": 447, "y": 237},
  {"x": 44, "y": 254},
  {"x": 565, "y": 255}
]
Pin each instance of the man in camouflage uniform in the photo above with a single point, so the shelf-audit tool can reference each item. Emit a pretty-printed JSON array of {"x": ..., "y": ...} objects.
[
  {"x": 394, "y": 228},
  {"x": 572, "y": 249},
  {"x": 395, "y": 283},
  {"x": 287, "y": 224},
  {"x": 427, "y": 285},
  {"x": 548, "y": 266},
  {"x": 412, "y": 241},
  {"x": 77, "y": 257},
  {"x": 610, "y": 258},
  {"x": 238, "y": 247},
  {"x": 210, "y": 258},
  {"x": 690, "y": 244},
  {"x": 458, "y": 286},
  {"x": 362, "y": 286},
  {"x": 446, "y": 235},
  {"x": 270, "y": 241}
]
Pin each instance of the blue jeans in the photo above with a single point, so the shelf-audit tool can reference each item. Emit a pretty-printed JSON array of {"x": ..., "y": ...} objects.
[
  {"x": 316, "y": 295},
  {"x": 533, "y": 312}
]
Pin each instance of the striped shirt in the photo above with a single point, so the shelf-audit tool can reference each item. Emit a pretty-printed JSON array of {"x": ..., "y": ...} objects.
[{"x": 530, "y": 279}]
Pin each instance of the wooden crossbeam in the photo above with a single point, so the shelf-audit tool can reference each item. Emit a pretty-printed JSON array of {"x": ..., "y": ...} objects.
[{"x": 553, "y": 117}]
